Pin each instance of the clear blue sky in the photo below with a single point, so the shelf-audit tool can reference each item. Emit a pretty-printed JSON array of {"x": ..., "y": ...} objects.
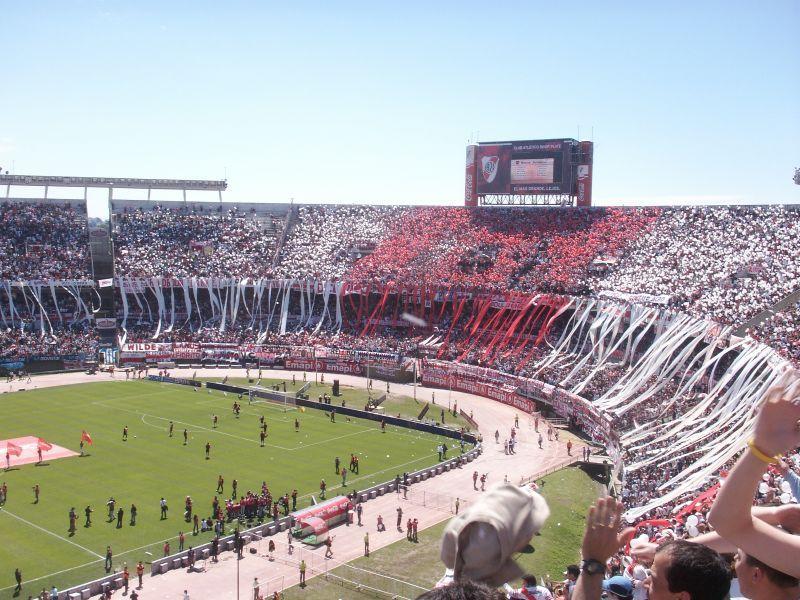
[{"x": 689, "y": 102}]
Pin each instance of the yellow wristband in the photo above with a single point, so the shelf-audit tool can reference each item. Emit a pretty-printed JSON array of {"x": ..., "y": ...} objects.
[{"x": 766, "y": 458}]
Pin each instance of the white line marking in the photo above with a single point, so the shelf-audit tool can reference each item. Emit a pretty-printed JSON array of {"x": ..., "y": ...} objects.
[
  {"x": 238, "y": 437},
  {"x": 47, "y": 531},
  {"x": 11, "y": 587}
]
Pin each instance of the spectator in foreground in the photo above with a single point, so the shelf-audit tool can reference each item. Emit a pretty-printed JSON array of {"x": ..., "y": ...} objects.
[
  {"x": 530, "y": 590},
  {"x": 465, "y": 590},
  {"x": 681, "y": 569},
  {"x": 759, "y": 581},
  {"x": 777, "y": 430},
  {"x": 756, "y": 580},
  {"x": 689, "y": 571}
]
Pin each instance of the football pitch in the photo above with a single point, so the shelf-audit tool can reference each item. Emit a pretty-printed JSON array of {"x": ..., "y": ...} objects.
[{"x": 151, "y": 465}]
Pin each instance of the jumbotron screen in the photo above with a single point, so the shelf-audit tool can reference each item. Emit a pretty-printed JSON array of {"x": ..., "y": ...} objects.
[
  {"x": 524, "y": 167},
  {"x": 559, "y": 167}
]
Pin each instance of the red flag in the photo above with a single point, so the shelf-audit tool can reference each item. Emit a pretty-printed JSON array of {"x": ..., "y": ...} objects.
[
  {"x": 85, "y": 437},
  {"x": 13, "y": 449},
  {"x": 44, "y": 445}
]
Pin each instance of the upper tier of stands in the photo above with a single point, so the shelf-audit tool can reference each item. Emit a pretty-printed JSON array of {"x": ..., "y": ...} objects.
[
  {"x": 191, "y": 242},
  {"x": 43, "y": 241},
  {"x": 727, "y": 264}
]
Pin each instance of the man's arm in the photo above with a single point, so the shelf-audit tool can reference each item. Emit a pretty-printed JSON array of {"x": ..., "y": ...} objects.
[
  {"x": 776, "y": 431},
  {"x": 600, "y": 541}
]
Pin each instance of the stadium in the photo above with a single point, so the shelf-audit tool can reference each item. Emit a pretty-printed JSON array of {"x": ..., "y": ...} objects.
[
  {"x": 275, "y": 326},
  {"x": 629, "y": 338}
]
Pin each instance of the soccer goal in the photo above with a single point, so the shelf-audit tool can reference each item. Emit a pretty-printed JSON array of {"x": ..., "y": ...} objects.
[{"x": 257, "y": 394}]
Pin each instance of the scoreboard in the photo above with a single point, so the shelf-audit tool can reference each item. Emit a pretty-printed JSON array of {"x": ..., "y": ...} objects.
[{"x": 559, "y": 169}]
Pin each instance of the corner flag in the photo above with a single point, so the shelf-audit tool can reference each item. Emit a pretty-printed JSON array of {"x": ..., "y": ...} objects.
[{"x": 85, "y": 437}]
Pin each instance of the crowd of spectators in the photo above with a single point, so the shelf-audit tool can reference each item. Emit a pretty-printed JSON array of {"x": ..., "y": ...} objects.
[
  {"x": 166, "y": 242},
  {"x": 43, "y": 241},
  {"x": 721, "y": 263},
  {"x": 326, "y": 240},
  {"x": 21, "y": 343},
  {"x": 782, "y": 332},
  {"x": 547, "y": 249}
]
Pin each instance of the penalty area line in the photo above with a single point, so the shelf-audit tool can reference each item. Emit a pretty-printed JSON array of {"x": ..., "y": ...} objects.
[{"x": 55, "y": 535}]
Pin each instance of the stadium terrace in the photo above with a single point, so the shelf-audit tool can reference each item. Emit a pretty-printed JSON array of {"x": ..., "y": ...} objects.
[{"x": 653, "y": 332}]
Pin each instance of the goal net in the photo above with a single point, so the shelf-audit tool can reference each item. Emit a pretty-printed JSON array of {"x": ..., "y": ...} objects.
[{"x": 257, "y": 394}]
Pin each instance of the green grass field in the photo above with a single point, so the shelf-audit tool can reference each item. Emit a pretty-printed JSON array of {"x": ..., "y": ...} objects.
[
  {"x": 569, "y": 494},
  {"x": 151, "y": 465},
  {"x": 395, "y": 404}
]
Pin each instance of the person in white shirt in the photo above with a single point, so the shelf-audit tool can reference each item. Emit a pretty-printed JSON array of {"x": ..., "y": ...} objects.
[{"x": 529, "y": 590}]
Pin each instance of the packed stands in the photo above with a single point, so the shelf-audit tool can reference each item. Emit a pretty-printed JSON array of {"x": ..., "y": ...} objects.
[
  {"x": 326, "y": 240},
  {"x": 782, "y": 332},
  {"x": 192, "y": 242},
  {"x": 549, "y": 250},
  {"x": 43, "y": 241},
  {"x": 721, "y": 263},
  {"x": 527, "y": 302},
  {"x": 80, "y": 339}
]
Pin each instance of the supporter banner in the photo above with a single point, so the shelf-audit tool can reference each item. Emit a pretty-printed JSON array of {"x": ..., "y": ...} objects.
[
  {"x": 216, "y": 353},
  {"x": 390, "y": 322},
  {"x": 11, "y": 365},
  {"x": 146, "y": 347},
  {"x": 72, "y": 357},
  {"x": 150, "y": 351},
  {"x": 511, "y": 301},
  {"x": 187, "y": 351},
  {"x": 105, "y": 323},
  {"x": 662, "y": 299},
  {"x": 47, "y": 282}
]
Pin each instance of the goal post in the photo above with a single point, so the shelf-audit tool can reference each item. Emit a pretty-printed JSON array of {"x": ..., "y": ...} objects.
[{"x": 257, "y": 394}]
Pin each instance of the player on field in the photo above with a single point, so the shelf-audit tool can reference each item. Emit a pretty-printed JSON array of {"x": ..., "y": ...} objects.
[{"x": 185, "y": 437}]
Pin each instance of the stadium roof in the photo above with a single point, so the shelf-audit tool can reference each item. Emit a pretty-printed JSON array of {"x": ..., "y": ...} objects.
[{"x": 114, "y": 182}]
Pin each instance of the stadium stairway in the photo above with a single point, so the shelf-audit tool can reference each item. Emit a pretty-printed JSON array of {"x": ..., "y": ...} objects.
[
  {"x": 289, "y": 223},
  {"x": 767, "y": 314}
]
